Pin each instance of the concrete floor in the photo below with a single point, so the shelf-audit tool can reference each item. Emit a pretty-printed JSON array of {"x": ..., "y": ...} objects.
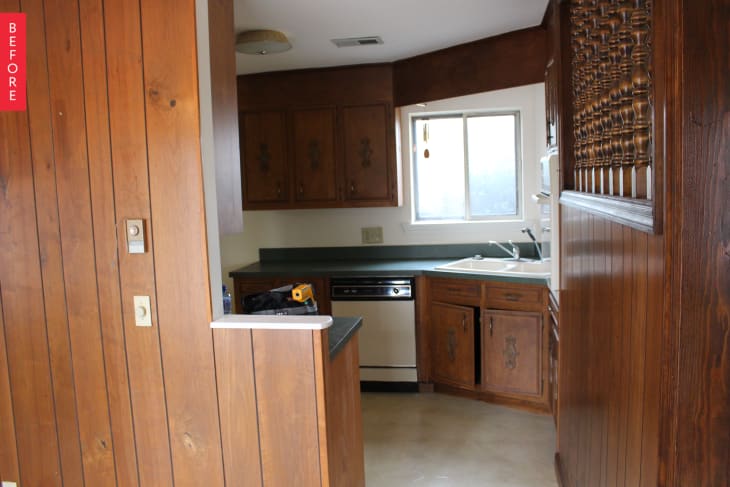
[{"x": 440, "y": 440}]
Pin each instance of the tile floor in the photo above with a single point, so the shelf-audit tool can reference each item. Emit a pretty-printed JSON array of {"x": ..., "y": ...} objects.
[{"x": 440, "y": 440}]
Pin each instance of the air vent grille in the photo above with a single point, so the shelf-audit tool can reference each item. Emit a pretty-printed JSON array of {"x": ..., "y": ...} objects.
[{"x": 357, "y": 41}]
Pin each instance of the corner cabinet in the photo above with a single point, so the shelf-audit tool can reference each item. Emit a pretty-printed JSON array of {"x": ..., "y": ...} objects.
[
  {"x": 452, "y": 338},
  {"x": 488, "y": 339},
  {"x": 512, "y": 352}
]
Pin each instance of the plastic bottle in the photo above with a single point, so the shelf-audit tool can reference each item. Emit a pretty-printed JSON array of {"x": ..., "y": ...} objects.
[{"x": 227, "y": 300}]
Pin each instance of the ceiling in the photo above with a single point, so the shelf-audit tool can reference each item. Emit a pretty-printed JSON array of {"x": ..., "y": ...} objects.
[{"x": 407, "y": 27}]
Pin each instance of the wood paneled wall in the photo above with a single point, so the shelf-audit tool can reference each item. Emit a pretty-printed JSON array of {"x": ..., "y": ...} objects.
[
  {"x": 111, "y": 133},
  {"x": 645, "y": 347},
  {"x": 512, "y": 59},
  {"x": 610, "y": 327}
]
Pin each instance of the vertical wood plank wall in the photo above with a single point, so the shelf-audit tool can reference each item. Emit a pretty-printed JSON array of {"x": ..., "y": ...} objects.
[
  {"x": 610, "y": 323},
  {"x": 111, "y": 133}
]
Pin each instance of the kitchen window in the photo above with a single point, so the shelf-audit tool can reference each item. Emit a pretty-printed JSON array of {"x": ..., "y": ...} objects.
[{"x": 466, "y": 167}]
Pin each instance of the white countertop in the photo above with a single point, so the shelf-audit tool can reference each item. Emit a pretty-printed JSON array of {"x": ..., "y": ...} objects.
[{"x": 273, "y": 322}]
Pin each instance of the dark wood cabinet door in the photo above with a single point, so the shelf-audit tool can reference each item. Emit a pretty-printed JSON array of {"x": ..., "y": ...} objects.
[
  {"x": 452, "y": 344},
  {"x": 367, "y": 171},
  {"x": 314, "y": 155},
  {"x": 265, "y": 169},
  {"x": 512, "y": 352},
  {"x": 551, "y": 104}
]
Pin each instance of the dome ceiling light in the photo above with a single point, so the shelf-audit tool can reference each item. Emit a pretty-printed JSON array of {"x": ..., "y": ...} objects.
[{"x": 262, "y": 42}]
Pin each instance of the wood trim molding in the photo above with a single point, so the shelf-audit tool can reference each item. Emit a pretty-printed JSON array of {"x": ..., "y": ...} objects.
[{"x": 638, "y": 214}]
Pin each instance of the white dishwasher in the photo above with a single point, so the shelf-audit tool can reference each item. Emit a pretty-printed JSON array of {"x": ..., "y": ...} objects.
[{"x": 388, "y": 333}]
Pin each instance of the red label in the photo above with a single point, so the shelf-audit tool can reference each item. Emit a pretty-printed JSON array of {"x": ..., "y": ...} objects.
[{"x": 12, "y": 62}]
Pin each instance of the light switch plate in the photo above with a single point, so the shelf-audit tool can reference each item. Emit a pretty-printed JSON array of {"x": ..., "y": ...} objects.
[
  {"x": 9, "y": 484},
  {"x": 135, "y": 236},
  {"x": 372, "y": 235},
  {"x": 142, "y": 311}
]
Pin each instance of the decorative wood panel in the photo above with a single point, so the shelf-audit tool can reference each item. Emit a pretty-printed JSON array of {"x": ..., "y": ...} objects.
[{"x": 617, "y": 139}]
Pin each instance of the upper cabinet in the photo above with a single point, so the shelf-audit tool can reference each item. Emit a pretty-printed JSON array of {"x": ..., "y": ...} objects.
[
  {"x": 369, "y": 172},
  {"x": 326, "y": 136},
  {"x": 313, "y": 155},
  {"x": 265, "y": 176}
]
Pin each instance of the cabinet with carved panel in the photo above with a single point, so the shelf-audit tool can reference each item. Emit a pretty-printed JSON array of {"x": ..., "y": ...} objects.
[
  {"x": 512, "y": 352},
  {"x": 369, "y": 171},
  {"x": 264, "y": 158},
  {"x": 453, "y": 344},
  {"x": 313, "y": 155}
]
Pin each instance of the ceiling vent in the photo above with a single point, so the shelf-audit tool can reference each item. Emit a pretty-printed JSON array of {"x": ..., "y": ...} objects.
[{"x": 357, "y": 41}]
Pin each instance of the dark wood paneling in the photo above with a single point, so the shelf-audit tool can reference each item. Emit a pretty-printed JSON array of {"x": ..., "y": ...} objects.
[
  {"x": 513, "y": 59},
  {"x": 283, "y": 380},
  {"x": 347, "y": 85},
  {"x": 313, "y": 153},
  {"x": 9, "y": 452},
  {"x": 225, "y": 115},
  {"x": 701, "y": 250},
  {"x": 608, "y": 310},
  {"x": 183, "y": 291},
  {"x": 237, "y": 407}
]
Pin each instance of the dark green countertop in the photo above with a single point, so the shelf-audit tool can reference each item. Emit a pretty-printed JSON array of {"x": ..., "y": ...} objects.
[
  {"x": 341, "y": 331},
  {"x": 368, "y": 267}
]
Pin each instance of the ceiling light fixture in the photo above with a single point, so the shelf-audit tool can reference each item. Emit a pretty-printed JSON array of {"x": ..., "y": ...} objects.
[{"x": 262, "y": 42}]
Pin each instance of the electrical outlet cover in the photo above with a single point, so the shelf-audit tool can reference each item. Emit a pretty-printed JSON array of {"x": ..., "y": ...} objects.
[{"x": 372, "y": 235}]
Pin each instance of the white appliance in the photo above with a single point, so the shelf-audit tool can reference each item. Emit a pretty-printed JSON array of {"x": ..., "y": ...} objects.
[
  {"x": 550, "y": 214},
  {"x": 388, "y": 334}
]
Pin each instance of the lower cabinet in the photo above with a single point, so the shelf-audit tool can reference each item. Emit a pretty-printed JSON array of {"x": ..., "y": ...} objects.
[
  {"x": 512, "y": 352},
  {"x": 490, "y": 338},
  {"x": 452, "y": 344}
]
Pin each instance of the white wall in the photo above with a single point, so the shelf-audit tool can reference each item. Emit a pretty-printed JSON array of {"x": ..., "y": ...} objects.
[{"x": 341, "y": 227}]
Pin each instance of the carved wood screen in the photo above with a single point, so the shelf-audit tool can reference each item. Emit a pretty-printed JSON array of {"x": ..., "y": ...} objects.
[{"x": 612, "y": 86}]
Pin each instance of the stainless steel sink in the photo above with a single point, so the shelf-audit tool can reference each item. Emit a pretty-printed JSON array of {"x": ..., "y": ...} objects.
[{"x": 499, "y": 267}]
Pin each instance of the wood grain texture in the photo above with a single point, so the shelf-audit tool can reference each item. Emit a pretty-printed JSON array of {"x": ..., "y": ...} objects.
[
  {"x": 313, "y": 153},
  {"x": 25, "y": 321},
  {"x": 225, "y": 115},
  {"x": 9, "y": 470},
  {"x": 452, "y": 344},
  {"x": 346, "y": 459},
  {"x": 345, "y": 85},
  {"x": 49, "y": 240},
  {"x": 320, "y": 356},
  {"x": 483, "y": 65},
  {"x": 701, "y": 262},
  {"x": 606, "y": 436},
  {"x": 237, "y": 407},
  {"x": 183, "y": 292},
  {"x": 287, "y": 433},
  {"x": 136, "y": 272},
  {"x": 101, "y": 183},
  {"x": 77, "y": 238},
  {"x": 423, "y": 325}
]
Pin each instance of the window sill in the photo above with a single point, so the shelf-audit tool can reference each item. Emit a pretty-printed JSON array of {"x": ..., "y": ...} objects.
[{"x": 463, "y": 227}]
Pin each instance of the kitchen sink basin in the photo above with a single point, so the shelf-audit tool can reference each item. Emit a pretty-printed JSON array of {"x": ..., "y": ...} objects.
[{"x": 499, "y": 267}]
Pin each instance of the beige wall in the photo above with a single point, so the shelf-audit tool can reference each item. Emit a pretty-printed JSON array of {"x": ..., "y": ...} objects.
[{"x": 341, "y": 227}]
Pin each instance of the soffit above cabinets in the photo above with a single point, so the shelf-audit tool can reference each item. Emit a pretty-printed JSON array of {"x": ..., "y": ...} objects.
[{"x": 407, "y": 27}]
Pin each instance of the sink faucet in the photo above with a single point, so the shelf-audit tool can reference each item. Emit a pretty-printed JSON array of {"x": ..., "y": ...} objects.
[
  {"x": 514, "y": 253},
  {"x": 534, "y": 241}
]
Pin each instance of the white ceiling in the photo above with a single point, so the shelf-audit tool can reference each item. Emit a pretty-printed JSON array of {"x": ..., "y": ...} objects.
[{"x": 407, "y": 27}]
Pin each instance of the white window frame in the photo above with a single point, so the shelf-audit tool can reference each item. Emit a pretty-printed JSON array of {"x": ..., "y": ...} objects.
[{"x": 468, "y": 218}]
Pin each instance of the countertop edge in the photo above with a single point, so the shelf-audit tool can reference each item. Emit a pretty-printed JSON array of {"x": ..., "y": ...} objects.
[
  {"x": 350, "y": 325},
  {"x": 273, "y": 322}
]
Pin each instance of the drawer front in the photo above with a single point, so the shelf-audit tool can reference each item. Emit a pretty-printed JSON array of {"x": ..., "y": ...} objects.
[
  {"x": 509, "y": 298},
  {"x": 459, "y": 291}
]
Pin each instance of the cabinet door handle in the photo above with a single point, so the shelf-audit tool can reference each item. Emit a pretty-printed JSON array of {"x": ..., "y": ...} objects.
[
  {"x": 512, "y": 297},
  {"x": 301, "y": 189},
  {"x": 491, "y": 326},
  {"x": 463, "y": 322},
  {"x": 278, "y": 190},
  {"x": 352, "y": 188}
]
